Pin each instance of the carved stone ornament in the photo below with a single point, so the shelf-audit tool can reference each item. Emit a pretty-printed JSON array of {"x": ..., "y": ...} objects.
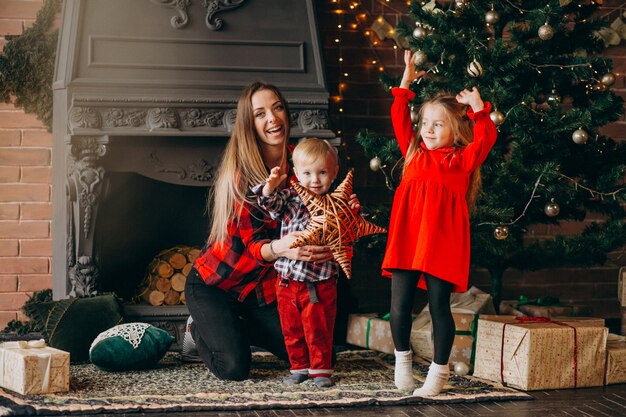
[
  {"x": 124, "y": 118},
  {"x": 83, "y": 277},
  {"x": 313, "y": 119},
  {"x": 200, "y": 170},
  {"x": 216, "y": 6},
  {"x": 84, "y": 117},
  {"x": 197, "y": 118},
  {"x": 180, "y": 6},
  {"x": 162, "y": 118},
  {"x": 229, "y": 119}
]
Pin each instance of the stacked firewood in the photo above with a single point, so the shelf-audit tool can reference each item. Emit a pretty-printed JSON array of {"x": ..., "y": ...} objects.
[{"x": 166, "y": 276}]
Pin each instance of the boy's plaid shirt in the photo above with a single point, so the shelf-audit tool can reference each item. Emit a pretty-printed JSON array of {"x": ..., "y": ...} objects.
[{"x": 286, "y": 206}]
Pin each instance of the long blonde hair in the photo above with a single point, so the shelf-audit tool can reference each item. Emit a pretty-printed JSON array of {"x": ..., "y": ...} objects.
[
  {"x": 456, "y": 114},
  {"x": 242, "y": 165}
]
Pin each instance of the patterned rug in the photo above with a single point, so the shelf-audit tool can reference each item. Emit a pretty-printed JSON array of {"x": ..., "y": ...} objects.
[{"x": 361, "y": 378}]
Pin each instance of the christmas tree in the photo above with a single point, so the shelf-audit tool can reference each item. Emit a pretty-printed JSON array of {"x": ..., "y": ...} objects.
[{"x": 535, "y": 61}]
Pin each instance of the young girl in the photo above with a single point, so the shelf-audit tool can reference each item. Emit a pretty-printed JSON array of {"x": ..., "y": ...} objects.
[{"x": 428, "y": 244}]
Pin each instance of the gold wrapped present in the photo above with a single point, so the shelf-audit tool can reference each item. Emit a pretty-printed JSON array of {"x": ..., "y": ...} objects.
[
  {"x": 370, "y": 331},
  {"x": 541, "y": 353},
  {"x": 615, "y": 359},
  {"x": 34, "y": 368}
]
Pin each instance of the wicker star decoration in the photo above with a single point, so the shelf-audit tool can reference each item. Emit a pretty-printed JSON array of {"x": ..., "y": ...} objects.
[{"x": 333, "y": 223}]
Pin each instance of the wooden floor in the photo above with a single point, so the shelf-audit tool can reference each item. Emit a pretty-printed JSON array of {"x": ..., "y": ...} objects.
[{"x": 608, "y": 401}]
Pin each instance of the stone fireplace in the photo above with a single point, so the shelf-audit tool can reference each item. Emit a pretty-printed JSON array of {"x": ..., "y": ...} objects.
[{"x": 144, "y": 99}]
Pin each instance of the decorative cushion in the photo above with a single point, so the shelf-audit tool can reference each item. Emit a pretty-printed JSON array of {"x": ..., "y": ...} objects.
[
  {"x": 129, "y": 346},
  {"x": 71, "y": 324}
]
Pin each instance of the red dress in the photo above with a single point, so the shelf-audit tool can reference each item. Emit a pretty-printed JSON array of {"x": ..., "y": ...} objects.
[{"x": 429, "y": 226}]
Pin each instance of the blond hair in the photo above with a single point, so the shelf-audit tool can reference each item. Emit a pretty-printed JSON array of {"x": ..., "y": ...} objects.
[
  {"x": 461, "y": 126},
  {"x": 242, "y": 165},
  {"x": 312, "y": 149}
]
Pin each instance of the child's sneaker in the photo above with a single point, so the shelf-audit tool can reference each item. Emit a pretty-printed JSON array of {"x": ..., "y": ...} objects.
[
  {"x": 189, "y": 352},
  {"x": 295, "y": 378},
  {"x": 323, "y": 381}
]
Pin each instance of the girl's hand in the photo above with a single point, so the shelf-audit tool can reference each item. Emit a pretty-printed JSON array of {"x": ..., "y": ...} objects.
[
  {"x": 410, "y": 74},
  {"x": 354, "y": 203},
  {"x": 273, "y": 181},
  {"x": 471, "y": 98},
  {"x": 309, "y": 253}
]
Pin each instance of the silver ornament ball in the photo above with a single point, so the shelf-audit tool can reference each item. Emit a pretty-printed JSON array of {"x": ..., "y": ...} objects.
[
  {"x": 420, "y": 58},
  {"x": 501, "y": 232},
  {"x": 554, "y": 97},
  {"x": 414, "y": 116},
  {"x": 474, "y": 69},
  {"x": 545, "y": 32},
  {"x": 420, "y": 32},
  {"x": 552, "y": 209},
  {"x": 608, "y": 79},
  {"x": 461, "y": 4},
  {"x": 375, "y": 163},
  {"x": 461, "y": 368},
  {"x": 496, "y": 117},
  {"x": 580, "y": 137},
  {"x": 492, "y": 17}
]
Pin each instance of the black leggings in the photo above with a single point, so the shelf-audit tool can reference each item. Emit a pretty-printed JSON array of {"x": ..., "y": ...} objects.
[{"x": 403, "y": 285}]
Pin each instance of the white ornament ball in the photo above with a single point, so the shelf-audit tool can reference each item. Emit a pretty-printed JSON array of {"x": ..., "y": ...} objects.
[
  {"x": 545, "y": 32},
  {"x": 496, "y": 117},
  {"x": 580, "y": 137},
  {"x": 375, "y": 163},
  {"x": 501, "y": 232},
  {"x": 461, "y": 368},
  {"x": 608, "y": 79},
  {"x": 420, "y": 58},
  {"x": 492, "y": 17},
  {"x": 420, "y": 32},
  {"x": 552, "y": 209},
  {"x": 474, "y": 69}
]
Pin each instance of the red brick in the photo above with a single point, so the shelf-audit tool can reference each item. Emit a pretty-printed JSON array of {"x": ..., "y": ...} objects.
[
  {"x": 19, "y": 119},
  {"x": 11, "y": 27},
  {"x": 35, "y": 247},
  {"x": 36, "y": 211},
  {"x": 37, "y": 138},
  {"x": 9, "y": 247},
  {"x": 33, "y": 175},
  {"x": 34, "y": 282},
  {"x": 8, "y": 283},
  {"x": 9, "y": 174},
  {"x": 24, "y": 230},
  {"x": 22, "y": 317},
  {"x": 28, "y": 23},
  {"x": 26, "y": 9},
  {"x": 6, "y": 317},
  {"x": 12, "y": 301},
  {"x": 24, "y": 266},
  {"x": 9, "y": 137},
  {"x": 24, "y": 192},
  {"x": 614, "y": 130},
  {"x": 24, "y": 156},
  {"x": 9, "y": 211}
]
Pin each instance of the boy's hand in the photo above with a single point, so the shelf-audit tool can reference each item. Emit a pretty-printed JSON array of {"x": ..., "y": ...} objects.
[
  {"x": 354, "y": 203},
  {"x": 410, "y": 74},
  {"x": 273, "y": 181},
  {"x": 471, "y": 98}
]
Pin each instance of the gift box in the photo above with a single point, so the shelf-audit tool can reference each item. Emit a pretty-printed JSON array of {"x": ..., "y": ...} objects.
[
  {"x": 541, "y": 353},
  {"x": 34, "y": 368},
  {"x": 370, "y": 331},
  {"x": 615, "y": 359},
  {"x": 621, "y": 286}
]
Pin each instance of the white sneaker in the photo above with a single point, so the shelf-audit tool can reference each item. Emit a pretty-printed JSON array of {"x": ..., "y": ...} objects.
[{"x": 189, "y": 352}]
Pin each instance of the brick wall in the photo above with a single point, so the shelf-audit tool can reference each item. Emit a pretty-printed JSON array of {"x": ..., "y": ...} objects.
[
  {"x": 25, "y": 182},
  {"x": 25, "y": 147}
]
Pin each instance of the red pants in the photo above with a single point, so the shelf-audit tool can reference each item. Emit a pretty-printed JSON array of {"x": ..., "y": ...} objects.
[{"x": 308, "y": 327}]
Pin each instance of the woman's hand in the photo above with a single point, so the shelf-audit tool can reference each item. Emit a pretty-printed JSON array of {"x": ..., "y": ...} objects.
[
  {"x": 471, "y": 98},
  {"x": 410, "y": 74},
  {"x": 309, "y": 253}
]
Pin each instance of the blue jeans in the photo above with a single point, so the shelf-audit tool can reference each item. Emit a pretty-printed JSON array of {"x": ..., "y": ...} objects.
[{"x": 224, "y": 328}]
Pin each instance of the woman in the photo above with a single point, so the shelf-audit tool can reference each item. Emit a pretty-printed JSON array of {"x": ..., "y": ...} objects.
[{"x": 230, "y": 291}]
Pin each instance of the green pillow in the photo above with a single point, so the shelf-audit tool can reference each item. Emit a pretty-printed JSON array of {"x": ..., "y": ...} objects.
[
  {"x": 129, "y": 346},
  {"x": 71, "y": 324}
]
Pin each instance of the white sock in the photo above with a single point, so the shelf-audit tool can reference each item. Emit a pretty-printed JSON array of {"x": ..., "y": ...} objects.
[
  {"x": 403, "y": 374},
  {"x": 435, "y": 380}
]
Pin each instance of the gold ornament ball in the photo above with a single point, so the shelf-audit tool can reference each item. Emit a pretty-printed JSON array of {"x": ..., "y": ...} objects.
[
  {"x": 580, "y": 137},
  {"x": 474, "y": 69},
  {"x": 552, "y": 209},
  {"x": 375, "y": 163},
  {"x": 545, "y": 32},
  {"x": 461, "y": 368},
  {"x": 492, "y": 17},
  {"x": 608, "y": 79},
  {"x": 501, "y": 232},
  {"x": 420, "y": 58},
  {"x": 420, "y": 32},
  {"x": 496, "y": 117}
]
